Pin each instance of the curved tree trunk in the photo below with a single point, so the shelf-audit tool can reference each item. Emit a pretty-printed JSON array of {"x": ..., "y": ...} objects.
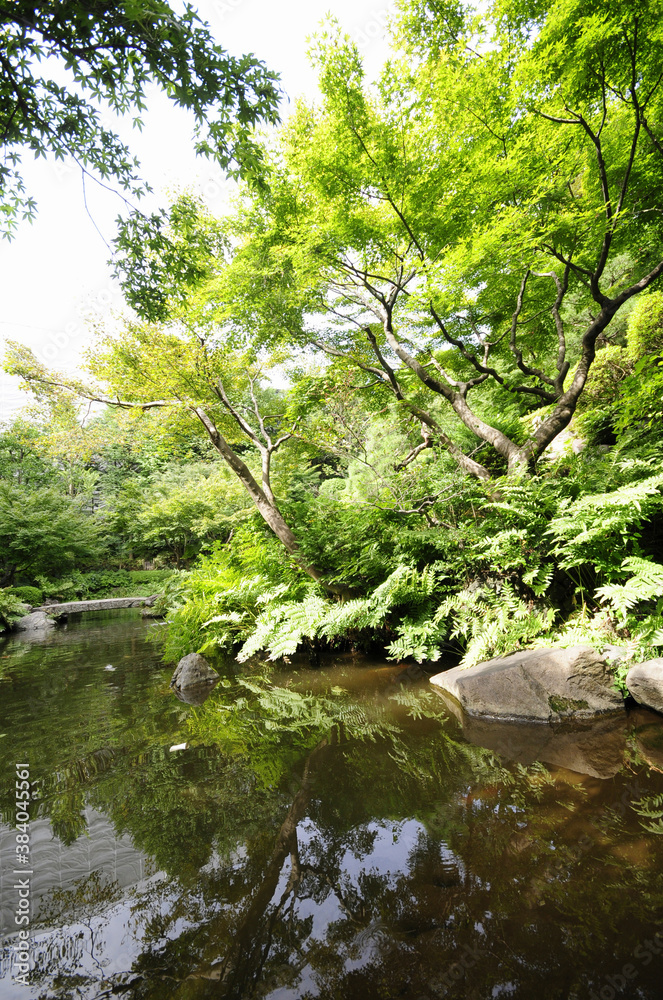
[{"x": 265, "y": 506}]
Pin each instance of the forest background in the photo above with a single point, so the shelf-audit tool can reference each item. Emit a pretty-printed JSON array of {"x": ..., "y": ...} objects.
[{"x": 408, "y": 394}]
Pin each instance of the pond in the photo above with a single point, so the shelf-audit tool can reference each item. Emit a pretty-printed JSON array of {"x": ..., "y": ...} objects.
[{"x": 302, "y": 834}]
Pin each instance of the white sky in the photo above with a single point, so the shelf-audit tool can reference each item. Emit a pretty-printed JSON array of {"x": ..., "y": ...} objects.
[{"x": 55, "y": 269}]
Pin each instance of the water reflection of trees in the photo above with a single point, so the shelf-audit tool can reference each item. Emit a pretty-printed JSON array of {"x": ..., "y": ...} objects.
[
  {"x": 331, "y": 846},
  {"x": 506, "y": 870}
]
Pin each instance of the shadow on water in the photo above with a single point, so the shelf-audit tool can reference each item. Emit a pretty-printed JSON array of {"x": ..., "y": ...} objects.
[{"x": 330, "y": 833}]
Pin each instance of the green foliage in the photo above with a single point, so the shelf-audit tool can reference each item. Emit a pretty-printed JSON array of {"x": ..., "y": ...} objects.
[
  {"x": 645, "y": 328},
  {"x": 642, "y": 392},
  {"x": 599, "y": 528},
  {"x": 601, "y": 405},
  {"x": 11, "y": 608},
  {"x": 216, "y": 605},
  {"x": 111, "y": 54},
  {"x": 183, "y": 246},
  {"x": 645, "y": 584},
  {"x": 639, "y": 604},
  {"x": 150, "y": 576},
  {"x": 106, "y": 583},
  {"x": 436, "y": 323},
  {"x": 31, "y": 595},
  {"x": 500, "y": 573},
  {"x": 493, "y": 622},
  {"x": 283, "y": 625},
  {"x": 43, "y": 532},
  {"x": 175, "y": 512}
]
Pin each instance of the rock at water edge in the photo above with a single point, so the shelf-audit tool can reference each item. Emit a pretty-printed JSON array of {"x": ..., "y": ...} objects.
[
  {"x": 35, "y": 622},
  {"x": 193, "y": 669},
  {"x": 545, "y": 685},
  {"x": 644, "y": 682}
]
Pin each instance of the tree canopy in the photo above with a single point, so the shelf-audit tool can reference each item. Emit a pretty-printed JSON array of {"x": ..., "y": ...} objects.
[
  {"x": 68, "y": 67},
  {"x": 467, "y": 230}
]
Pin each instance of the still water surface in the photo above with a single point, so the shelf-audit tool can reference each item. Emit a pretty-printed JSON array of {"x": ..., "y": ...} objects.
[{"x": 327, "y": 833}]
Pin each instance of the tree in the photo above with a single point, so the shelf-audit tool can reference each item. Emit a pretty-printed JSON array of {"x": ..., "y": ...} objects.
[
  {"x": 469, "y": 232},
  {"x": 179, "y": 510},
  {"x": 111, "y": 53},
  {"x": 43, "y": 532},
  {"x": 462, "y": 237},
  {"x": 22, "y": 461},
  {"x": 193, "y": 365}
]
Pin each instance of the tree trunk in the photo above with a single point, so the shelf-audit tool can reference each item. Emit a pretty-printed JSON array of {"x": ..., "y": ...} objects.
[
  {"x": 253, "y": 935},
  {"x": 516, "y": 457},
  {"x": 267, "y": 509}
]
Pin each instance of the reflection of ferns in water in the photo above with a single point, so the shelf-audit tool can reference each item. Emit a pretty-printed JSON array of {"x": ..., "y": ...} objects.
[
  {"x": 257, "y": 715},
  {"x": 527, "y": 783},
  {"x": 650, "y": 809}
]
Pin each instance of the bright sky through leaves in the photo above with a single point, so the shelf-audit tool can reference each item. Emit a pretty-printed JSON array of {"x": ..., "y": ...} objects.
[{"x": 55, "y": 269}]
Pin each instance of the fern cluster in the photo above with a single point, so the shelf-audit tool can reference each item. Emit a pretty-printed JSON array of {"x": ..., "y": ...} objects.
[
  {"x": 404, "y": 597},
  {"x": 11, "y": 609},
  {"x": 493, "y": 622},
  {"x": 552, "y": 559}
]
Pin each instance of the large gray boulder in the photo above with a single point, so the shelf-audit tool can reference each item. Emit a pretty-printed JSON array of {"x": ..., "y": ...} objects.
[
  {"x": 645, "y": 683},
  {"x": 35, "y": 622},
  {"x": 543, "y": 685},
  {"x": 192, "y": 671}
]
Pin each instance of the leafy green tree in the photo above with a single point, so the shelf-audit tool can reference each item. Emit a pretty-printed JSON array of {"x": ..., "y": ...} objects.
[
  {"x": 460, "y": 233},
  {"x": 43, "y": 532},
  {"x": 21, "y": 456},
  {"x": 196, "y": 364},
  {"x": 112, "y": 53},
  {"x": 179, "y": 510}
]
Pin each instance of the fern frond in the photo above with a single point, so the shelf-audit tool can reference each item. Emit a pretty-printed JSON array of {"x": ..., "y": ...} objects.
[{"x": 645, "y": 584}]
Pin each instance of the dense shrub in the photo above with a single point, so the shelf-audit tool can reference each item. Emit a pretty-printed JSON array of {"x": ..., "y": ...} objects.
[
  {"x": 31, "y": 595},
  {"x": 502, "y": 566},
  {"x": 149, "y": 575},
  {"x": 106, "y": 583},
  {"x": 11, "y": 609}
]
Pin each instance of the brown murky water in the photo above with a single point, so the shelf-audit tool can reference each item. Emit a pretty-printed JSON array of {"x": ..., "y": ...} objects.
[{"x": 329, "y": 833}]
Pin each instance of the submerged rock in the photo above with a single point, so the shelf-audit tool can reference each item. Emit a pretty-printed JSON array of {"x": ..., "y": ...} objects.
[
  {"x": 645, "y": 683},
  {"x": 542, "y": 685},
  {"x": 594, "y": 747},
  {"x": 35, "y": 622},
  {"x": 648, "y": 733},
  {"x": 196, "y": 694},
  {"x": 192, "y": 671}
]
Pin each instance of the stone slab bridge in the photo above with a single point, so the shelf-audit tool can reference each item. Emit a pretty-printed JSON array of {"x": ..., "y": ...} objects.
[{"x": 105, "y": 604}]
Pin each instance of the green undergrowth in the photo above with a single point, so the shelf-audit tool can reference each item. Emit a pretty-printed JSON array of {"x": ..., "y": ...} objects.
[
  {"x": 11, "y": 609},
  {"x": 104, "y": 583},
  {"x": 570, "y": 556}
]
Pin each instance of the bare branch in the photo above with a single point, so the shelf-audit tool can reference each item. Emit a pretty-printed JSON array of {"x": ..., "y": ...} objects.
[
  {"x": 237, "y": 416},
  {"x": 515, "y": 350},
  {"x": 370, "y": 336},
  {"x": 426, "y": 443},
  {"x": 562, "y": 288}
]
